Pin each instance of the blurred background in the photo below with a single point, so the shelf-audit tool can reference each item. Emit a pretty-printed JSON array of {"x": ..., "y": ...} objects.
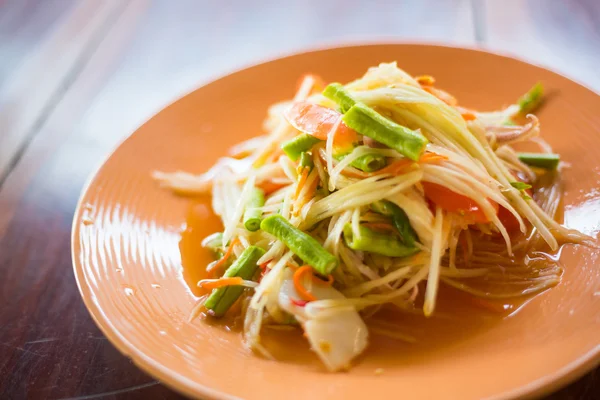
[{"x": 76, "y": 77}]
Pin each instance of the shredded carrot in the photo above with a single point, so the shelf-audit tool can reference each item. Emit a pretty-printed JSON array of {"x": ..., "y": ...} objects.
[
  {"x": 354, "y": 173},
  {"x": 329, "y": 281},
  {"x": 426, "y": 80},
  {"x": 236, "y": 280},
  {"x": 224, "y": 259},
  {"x": 309, "y": 195},
  {"x": 442, "y": 95},
  {"x": 431, "y": 157},
  {"x": 301, "y": 182},
  {"x": 395, "y": 167},
  {"x": 468, "y": 116},
  {"x": 298, "y": 275}
]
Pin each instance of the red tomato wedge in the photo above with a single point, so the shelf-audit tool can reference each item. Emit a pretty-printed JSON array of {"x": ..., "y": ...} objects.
[
  {"x": 453, "y": 202},
  {"x": 318, "y": 121}
]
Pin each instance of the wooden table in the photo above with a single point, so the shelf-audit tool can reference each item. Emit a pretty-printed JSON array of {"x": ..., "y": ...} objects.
[{"x": 78, "y": 77}]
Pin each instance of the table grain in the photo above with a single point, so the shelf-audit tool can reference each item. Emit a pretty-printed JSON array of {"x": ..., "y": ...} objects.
[{"x": 78, "y": 77}]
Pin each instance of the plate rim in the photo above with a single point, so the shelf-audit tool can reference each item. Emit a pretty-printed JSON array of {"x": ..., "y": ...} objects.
[{"x": 542, "y": 386}]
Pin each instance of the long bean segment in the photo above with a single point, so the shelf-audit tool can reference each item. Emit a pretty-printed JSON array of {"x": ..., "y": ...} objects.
[
  {"x": 540, "y": 160},
  {"x": 337, "y": 93},
  {"x": 253, "y": 212},
  {"x": 375, "y": 242},
  {"x": 301, "y": 244},
  {"x": 369, "y": 162},
  {"x": 221, "y": 299},
  {"x": 369, "y": 122},
  {"x": 399, "y": 218},
  {"x": 293, "y": 148}
]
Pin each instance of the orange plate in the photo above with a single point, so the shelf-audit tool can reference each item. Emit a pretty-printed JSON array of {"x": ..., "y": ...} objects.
[{"x": 127, "y": 232}]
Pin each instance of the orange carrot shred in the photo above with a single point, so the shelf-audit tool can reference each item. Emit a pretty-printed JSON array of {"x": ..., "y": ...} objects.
[
  {"x": 222, "y": 261},
  {"x": 236, "y": 280},
  {"x": 426, "y": 80},
  {"x": 298, "y": 275},
  {"x": 468, "y": 116},
  {"x": 442, "y": 95},
  {"x": 431, "y": 157},
  {"x": 301, "y": 182}
]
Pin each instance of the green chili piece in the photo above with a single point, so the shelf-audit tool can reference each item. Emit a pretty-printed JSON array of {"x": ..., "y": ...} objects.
[{"x": 399, "y": 218}]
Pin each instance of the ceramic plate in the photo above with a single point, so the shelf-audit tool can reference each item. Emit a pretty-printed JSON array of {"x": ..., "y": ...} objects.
[{"x": 136, "y": 247}]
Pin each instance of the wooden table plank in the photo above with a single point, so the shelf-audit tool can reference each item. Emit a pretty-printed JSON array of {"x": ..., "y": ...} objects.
[
  {"x": 152, "y": 56},
  {"x": 561, "y": 35},
  {"x": 154, "y": 53},
  {"x": 29, "y": 92}
]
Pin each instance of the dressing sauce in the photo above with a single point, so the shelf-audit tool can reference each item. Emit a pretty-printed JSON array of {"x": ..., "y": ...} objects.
[{"x": 457, "y": 313}]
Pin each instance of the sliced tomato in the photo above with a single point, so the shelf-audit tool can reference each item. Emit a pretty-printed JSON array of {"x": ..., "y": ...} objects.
[
  {"x": 318, "y": 121},
  {"x": 457, "y": 203}
]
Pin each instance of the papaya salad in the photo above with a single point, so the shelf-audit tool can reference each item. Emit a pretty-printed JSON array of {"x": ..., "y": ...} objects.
[{"x": 372, "y": 194}]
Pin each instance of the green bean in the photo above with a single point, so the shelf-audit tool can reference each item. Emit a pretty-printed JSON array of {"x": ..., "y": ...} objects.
[
  {"x": 306, "y": 161},
  {"x": 301, "y": 244},
  {"x": 375, "y": 242},
  {"x": 532, "y": 99},
  {"x": 540, "y": 160},
  {"x": 221, "y": 299},
  {"x": 337, "y": 93},
  {"x": 293, "y": 148},
  {"x": 369, "y": 122},
  {"x": 399, "y": 218},
  {"x": 253, "y": 212},
  {"x": 369, "y": 162}
]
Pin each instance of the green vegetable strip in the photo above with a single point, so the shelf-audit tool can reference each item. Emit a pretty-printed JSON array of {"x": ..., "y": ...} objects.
[
  {"x": 253, "y": 212},
  {"x": 300, "y": 243},
  {"x": 244, "y": 267},
  {"x": 293, "y": 148},
  {"x": 399, "y": 218},
  {"x": 540, "y": 160},
  {"x": 337, "y": 93},
  {"x": 375, "y": 242},
  {"x": 369, "y": 162},
  {"x": 370, "y": 123},
  {"x": 520, "y": 185},
  {"x": 306, "y": 161},
  {"x": 532, "y": 99}
]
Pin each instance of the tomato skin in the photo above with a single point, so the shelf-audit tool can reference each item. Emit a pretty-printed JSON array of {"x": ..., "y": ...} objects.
[
  {"x": 318, "y": 121},
  {"x": 457, "y": 203},
  {"x": 508, "y": 220}
]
